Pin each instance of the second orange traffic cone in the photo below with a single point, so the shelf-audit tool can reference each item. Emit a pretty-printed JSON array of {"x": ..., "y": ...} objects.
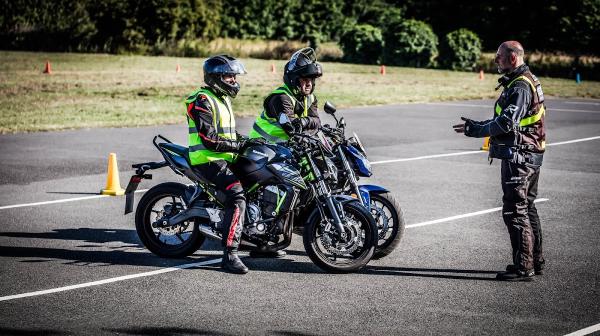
[
  {"x": 113, "y": 185},
  {"x": 48, "y": 68},
  {"x": 481, "y": 76},
  {"x": 382, "y": 70},
  {"x": 178, "y": 68},
  {"x": 272, "y": 68}
]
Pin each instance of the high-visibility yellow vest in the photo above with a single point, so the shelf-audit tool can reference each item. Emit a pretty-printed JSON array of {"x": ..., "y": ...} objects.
[
  {"x": 529, "y": 120},
  {"x": 223, "y": 122},
  {"x": 269, "y": 128}
]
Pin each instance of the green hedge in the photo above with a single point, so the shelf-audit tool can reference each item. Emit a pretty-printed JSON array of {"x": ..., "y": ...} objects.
[
  {"x": 410, "y": 43},
  {"x": 460, "y": 50},
  {"x": 362, "y": 44}
]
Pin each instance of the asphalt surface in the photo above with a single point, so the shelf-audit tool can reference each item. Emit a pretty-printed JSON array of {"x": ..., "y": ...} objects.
[{"x": 439, "y": 281}]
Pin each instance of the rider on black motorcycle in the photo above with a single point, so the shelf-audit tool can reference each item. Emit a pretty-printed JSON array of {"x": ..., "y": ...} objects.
[
  {"x": 214, "y": 143},
  {"x": 295, "y": 98}
]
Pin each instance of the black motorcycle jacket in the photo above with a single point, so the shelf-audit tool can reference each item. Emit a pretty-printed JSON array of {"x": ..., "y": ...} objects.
[
  {"x": 517, "y": 131},
  {"x": 281, "y": 103}
]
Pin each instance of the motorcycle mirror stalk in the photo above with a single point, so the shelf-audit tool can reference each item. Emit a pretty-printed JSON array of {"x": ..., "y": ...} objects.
[{"x": 330, "y": 109}]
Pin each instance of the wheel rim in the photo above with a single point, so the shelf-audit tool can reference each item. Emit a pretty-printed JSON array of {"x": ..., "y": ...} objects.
[
  {"x": 386, "y": 223},
  {"x": 337, "y": 253},
  {"x": 163, "y": 207}
]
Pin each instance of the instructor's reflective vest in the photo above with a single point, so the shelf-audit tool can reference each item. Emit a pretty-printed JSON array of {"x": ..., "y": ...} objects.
[
  {"x": 223, "y": 122},
  {"x": 530, "y": 135},
  {"x": 269, "y": 128}
]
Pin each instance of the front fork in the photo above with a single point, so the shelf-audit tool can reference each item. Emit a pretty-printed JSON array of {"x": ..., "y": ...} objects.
[
  {"x": 362, "y": 195},
  {"x": 336, "y": 211}
]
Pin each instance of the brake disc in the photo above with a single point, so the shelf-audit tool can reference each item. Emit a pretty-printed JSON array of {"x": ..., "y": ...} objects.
[
  {"x": 354, "y": 238},
  {"x": 382, "y": 220}
]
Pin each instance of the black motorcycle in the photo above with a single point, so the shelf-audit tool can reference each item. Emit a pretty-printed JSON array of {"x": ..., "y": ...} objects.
[
  {"x": 351, "y": 161},
  {"x": 283, "y": 189}
]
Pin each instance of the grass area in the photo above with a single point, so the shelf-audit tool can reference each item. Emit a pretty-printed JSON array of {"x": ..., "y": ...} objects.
[{"x": 97, "y": 90}]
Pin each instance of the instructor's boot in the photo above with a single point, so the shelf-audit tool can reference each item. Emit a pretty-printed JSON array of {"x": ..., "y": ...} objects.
[
  {"x": 538, "y": 268},
  {"x": 517, "y": 275},
  {"x": 232, "y": 263}
]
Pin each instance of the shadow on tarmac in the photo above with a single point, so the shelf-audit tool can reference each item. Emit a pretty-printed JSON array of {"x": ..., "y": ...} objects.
[
  {"x": 175, "y": 331},
  {"x": 430, "y": 273},
  {"x": 87, "y": 235},
  {"x": 130, "y": 254},
  {"x": 23, "y": 332}
]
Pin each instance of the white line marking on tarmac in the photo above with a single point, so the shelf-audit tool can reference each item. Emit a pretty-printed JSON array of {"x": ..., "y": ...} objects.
[
  {"x": 581, "y": 103},
  {"x": 585, "y": 331},
  {"x": 550, "y": 109},
  {"x": 475, "y": 152},
  {"x": 59, "y": 201},
  {"x": 373, "y": 163},
  {"x": 208, "y": 262},
  {"x": 477, "y": 213},
  {"x": 572, "y": 141},
  {"x": 110, "y": 280}
]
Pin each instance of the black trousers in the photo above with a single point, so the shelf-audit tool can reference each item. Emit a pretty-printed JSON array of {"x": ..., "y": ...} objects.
[
  {"x": 520, "y": 187},
  {"x": 219, "y": 173}
]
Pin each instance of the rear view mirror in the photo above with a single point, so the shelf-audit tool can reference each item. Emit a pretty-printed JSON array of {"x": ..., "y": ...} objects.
[{"x": 329, "y": 108}]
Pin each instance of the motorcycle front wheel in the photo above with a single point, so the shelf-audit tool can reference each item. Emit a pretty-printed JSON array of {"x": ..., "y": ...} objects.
[
  {"x": 390, "y": 223},
  {"x": 159, "y": 203},
  {"x": 324, "y": 249}
]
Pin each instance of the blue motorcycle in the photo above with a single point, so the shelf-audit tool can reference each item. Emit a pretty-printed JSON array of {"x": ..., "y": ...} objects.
[{"x": 352, "y": 163}]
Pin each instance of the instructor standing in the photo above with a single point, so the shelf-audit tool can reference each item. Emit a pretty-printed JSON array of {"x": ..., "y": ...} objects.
[{"x": 517, "y": 137}]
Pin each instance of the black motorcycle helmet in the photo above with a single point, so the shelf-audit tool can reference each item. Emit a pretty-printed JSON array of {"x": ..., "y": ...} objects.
[
  {"x": 302, "y": 64},
  {"x": 217, "y": 66}
]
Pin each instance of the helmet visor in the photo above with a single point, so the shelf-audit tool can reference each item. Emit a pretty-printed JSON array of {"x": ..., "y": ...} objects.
[
  {"x": 302, "y": 57},
  {"x": 233, "y": 67}
]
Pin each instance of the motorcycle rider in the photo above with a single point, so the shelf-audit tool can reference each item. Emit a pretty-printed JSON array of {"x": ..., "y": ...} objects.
[
  {"x": 214, "y": 143},
  {"x": 294, "y": 98}
]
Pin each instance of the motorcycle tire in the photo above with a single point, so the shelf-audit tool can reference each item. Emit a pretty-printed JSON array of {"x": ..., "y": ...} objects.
[
  {"x": 386, "y": 205},
  {"x": 313, "y": 238},
  {"x": 148, "y": 234}
]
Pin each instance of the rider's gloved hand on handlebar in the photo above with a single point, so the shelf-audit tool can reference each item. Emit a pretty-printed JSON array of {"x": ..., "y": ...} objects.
[{"x": 299, "y": 124}]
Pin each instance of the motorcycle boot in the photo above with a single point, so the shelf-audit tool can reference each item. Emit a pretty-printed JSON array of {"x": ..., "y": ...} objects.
[
  {"x": 518, "y": 275},
  {"x": 267, "y": 254},
  {"x": 232, "y": 263},
  {"x": 538, "y": 268}
]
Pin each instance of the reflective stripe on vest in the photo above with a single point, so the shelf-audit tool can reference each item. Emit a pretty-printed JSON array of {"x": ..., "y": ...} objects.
[
  {"x": 223, "y": 122},
  {"x": 529, "y": 120},
  {"x": 269, "y": 128}
]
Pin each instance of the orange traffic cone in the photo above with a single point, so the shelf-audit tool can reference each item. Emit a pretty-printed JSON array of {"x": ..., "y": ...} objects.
[
  {"x": 481, "y": 76},
  {"x": 273, "y": 68},
  {"x": 48, "y": 68},
  {"x": 113, "y": 186},
  {"x": 382, "y": 70},
  {"x": 486, "y": 144},
  {"x": 178, "y": 69}
]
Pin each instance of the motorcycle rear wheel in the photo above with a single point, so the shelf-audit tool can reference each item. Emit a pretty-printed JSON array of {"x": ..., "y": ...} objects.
[
  {"x": 162, "y": 201},
  {"x": 361, "y": 225}
]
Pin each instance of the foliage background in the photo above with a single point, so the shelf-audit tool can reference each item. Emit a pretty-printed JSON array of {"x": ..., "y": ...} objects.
[{"x": 143, "y": 26}]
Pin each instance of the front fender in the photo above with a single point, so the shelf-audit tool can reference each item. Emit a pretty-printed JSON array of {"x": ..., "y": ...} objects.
[{"x": 366, "y": 190}]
